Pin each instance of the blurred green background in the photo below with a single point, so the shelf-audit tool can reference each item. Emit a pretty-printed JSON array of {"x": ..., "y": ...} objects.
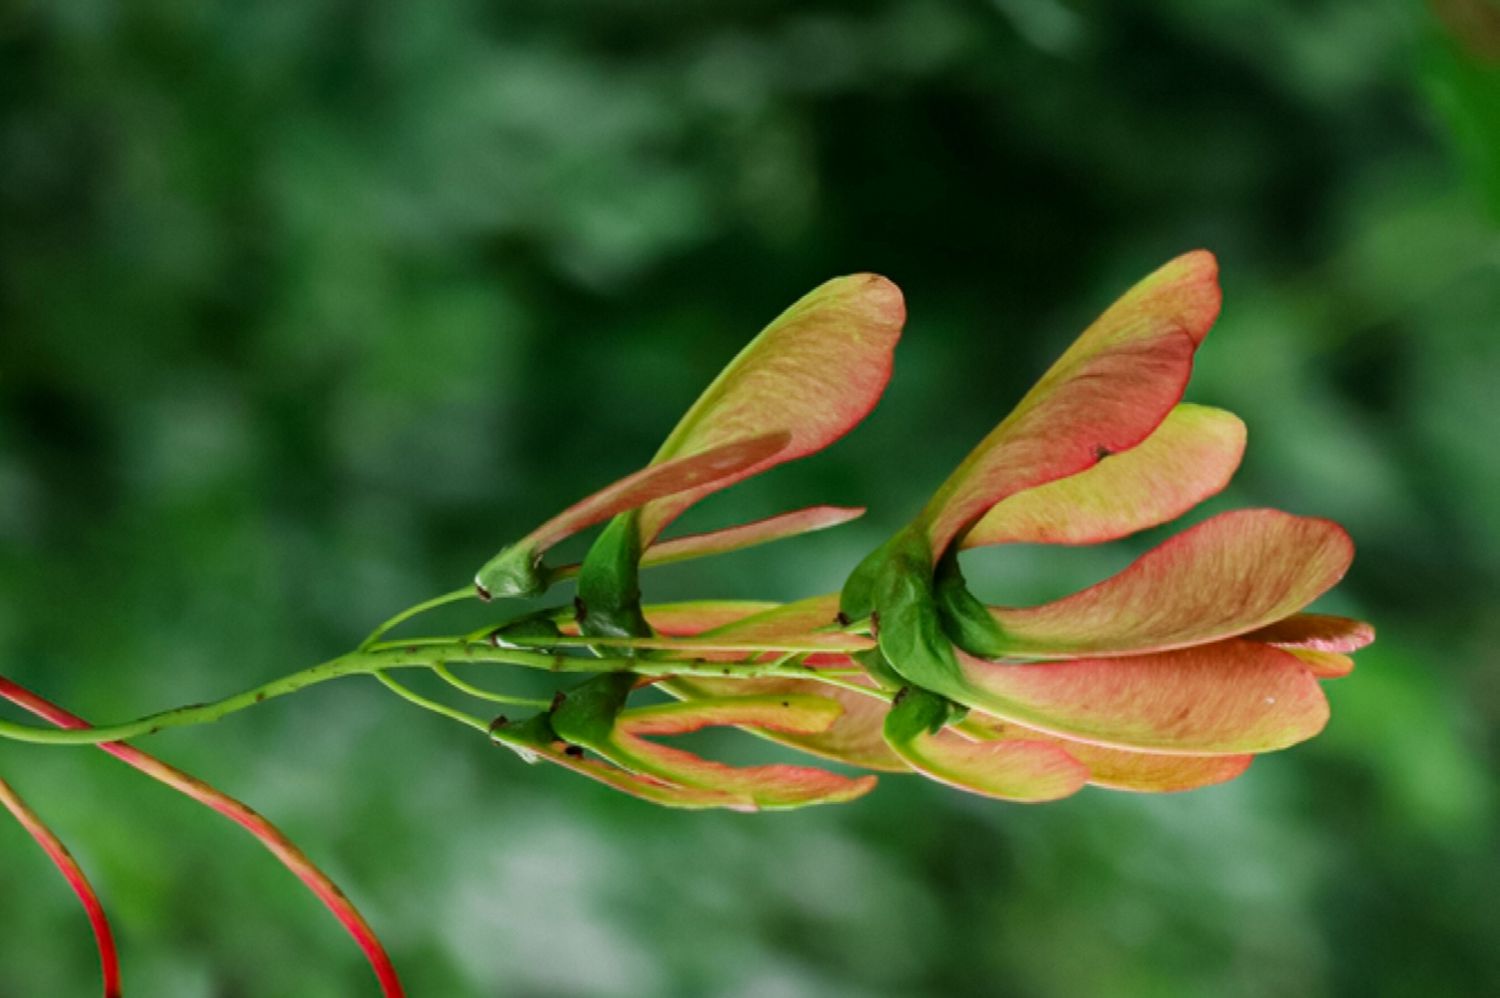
[{"x": 306, "y": 307}]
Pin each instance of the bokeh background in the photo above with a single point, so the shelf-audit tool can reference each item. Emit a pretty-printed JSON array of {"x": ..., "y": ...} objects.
[{"x": 306, "y": 307}]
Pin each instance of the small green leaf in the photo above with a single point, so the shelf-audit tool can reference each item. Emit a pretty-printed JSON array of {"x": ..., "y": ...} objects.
[
  {"x": 609, "y": 591},
  {"x": 965, "y": 619},
  {"x": 586, "y": 714}
]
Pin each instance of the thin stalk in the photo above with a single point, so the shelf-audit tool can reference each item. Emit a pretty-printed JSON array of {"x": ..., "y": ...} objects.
[
  {"x": 180, "y": 716},
  {"x": 457, "y": 596},
  {"x": 426, "y": 657},
  {"x": 423, "y": 642},
  {"x": 835, "y": 678},
  {"x": 480, "y": 693},
  {"x": 104, "y": 940},
  {"x": 265, "y": 832},
  {"x": 411, "y": 695},
  {"x": 663, "y": 643}
]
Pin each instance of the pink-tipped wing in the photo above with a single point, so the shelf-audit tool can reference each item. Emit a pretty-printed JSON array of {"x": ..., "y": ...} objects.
[
  {"x": 104, "y": 940},
  {"x": 720, "y": 461},
  {"x": 745, "y": 535},
  {"x": 737, "y": 538},
  {"x": 1324, "y": 664},
  {"x": 675, "y": 778},
  {"x": 759, "y": 787},
  {"x": 788, "y": 620},
  {"x": 1316, "y": 632},
  {"x": 1118, "y": 769},
  {"x": 774, "y": 788},
  {"x": 1112, "y": 387},
  {"x": 1229, "y": 698},
  {"x": 691, "y": 617},
  {"x": 642, "y": 787},
  {"x": 792, "y": 713},
  {"x": 1147, "y": 773},
  {"x": 855, "y": 737},
  {"x": 1227, "y": 576},
  {"x": 815, "y": 372},
  {"x": 696, "y": 616},
  {"x": 1188, "y": 458},
  {"x": 1009, "y": 770},
  {"x": 285, "y": 851},
  {"x": 749, "y": 621}
]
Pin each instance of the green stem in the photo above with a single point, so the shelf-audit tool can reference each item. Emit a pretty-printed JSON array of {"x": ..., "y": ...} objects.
[
  {"x": 452, "y": 713},
  {"x": 457, "y": 596},
  {"x": 835, "y": 679},
  {"x": 480, "y": 693},
  {"x": 425, "y": 642},
  {"x": 202, "y": 713},
  {"x": 690, "y": 644},
  {"x": 377, "y": 659}
]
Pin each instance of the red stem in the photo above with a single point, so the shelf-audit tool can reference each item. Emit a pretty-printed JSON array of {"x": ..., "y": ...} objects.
[
  {"x": 109, "y": 960},
  {"x": 241, "y": 814}
]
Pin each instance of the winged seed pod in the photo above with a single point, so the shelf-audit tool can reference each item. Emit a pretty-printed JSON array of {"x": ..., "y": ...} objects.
[
  {"x": 807, "y": 378},
  {"x": 812, "y": 374},
  {"x": 1172, "y": 674}
]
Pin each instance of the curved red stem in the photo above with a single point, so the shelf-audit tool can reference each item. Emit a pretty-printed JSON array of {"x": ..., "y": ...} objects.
[
  {"x": 241, "y": 814},
  {"x": 109, "y": 960}
]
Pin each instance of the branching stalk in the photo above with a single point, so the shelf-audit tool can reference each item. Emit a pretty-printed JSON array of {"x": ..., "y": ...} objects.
[
  {"x": 241, "y": 814},
  {"x": 104, "y": 940},
  {"x": 426, "y": 656}
]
